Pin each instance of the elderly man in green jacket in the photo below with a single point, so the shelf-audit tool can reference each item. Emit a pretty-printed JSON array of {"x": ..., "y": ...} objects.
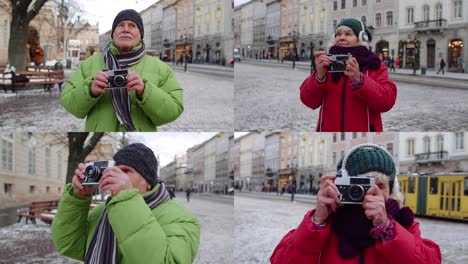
[
  {"x": 147, "y": 96},
  {"x": 137, "y": 224}
]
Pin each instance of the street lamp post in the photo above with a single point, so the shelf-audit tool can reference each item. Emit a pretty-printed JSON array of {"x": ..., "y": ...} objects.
[
  {"x": 185, "y": 53},
  {"x": 295, "y": 36},
  {"x": 414, "y": 56}
]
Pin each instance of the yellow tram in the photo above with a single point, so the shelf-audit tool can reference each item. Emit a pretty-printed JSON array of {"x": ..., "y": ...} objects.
[{"x": 440, "y": 194}]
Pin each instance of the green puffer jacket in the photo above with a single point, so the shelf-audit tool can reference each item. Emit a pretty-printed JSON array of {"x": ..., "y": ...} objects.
[
  {"x": 167, "y": 234},
  {"x": 161, "y": 103}
]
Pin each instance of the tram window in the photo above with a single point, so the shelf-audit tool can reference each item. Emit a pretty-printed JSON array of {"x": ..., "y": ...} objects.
[
  {"x": 411, "y": 184},
  {"x": 466, "y": 186},
  {"x": 453, "y": 204},
  {"x": 433, "y": 184},
  {"x": 442, "y": 188},
  {"x": 441, "y": 203},
  {"x": 458, "y": 204}
]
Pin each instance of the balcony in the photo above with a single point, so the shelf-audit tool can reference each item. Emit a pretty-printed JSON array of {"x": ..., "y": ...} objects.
[
  {"x": 431, "y": 26},
  {"x": 431, "y": 157}
]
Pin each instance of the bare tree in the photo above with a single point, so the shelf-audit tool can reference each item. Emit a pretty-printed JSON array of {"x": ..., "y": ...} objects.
[
  {"x": 79, "y": 147},
  {"x": 22, "y": 12}
]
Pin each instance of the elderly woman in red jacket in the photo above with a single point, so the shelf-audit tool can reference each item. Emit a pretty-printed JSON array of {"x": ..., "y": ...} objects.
[
  {"x": 351, "y": 98},
  {"x": 372, "y": 227}
]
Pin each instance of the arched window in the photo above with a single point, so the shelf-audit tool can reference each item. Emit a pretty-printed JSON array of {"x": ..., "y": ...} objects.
[
  {"x": 426, "y": 13},
  {"x": 427, "y": 144}
]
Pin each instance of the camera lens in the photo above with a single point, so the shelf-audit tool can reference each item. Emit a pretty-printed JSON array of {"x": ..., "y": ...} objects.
[
  {"x": 119, "y": 80},
  {"x": 340, "y": 65},
  {"x": 356, "y": 192},
  {"x": 93, "y": 173}
]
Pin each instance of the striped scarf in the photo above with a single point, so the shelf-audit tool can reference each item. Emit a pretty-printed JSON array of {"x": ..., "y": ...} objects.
[
  {"x": 102, "y": 248},
  {"x": 120, "y": 97}
]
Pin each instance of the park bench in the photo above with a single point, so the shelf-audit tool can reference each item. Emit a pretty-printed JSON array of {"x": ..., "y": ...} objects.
[
  {"x": 46, "y": 79},
  {"x": 44, "y": 210},
  {"x": 38, "y": 210}
]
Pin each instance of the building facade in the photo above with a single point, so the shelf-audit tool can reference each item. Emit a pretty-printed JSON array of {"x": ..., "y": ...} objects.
[
  {"x": 427, "y": 152},
  {"x": 33, "y": 167}
]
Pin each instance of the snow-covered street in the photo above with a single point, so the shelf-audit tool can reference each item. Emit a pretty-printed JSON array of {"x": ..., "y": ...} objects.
[
  {"x": 21, "y": 243},
  {"x": 260, "y": 223}
]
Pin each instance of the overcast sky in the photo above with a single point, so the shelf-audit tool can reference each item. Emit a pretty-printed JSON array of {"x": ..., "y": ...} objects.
[
  {"x": 240, "y": 2},
  {"x": 169, "y": 144},
  {"x": 104, "y": 11}
]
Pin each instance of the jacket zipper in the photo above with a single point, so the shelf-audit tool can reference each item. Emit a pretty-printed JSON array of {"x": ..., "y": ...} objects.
[{"x": 343, "y": 95}]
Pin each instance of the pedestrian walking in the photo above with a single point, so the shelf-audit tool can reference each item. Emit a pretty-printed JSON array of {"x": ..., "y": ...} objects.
[
  {"x": 142, "y": 95},
  {"x": 442, "y": 67},
  {"x": 137, "y": 224},
  {"x": 376, "y": 229},
  {"x": 356, "y": 90},
  {"x": 391, "y": 61},
  {"x": 188, "y": 191}
]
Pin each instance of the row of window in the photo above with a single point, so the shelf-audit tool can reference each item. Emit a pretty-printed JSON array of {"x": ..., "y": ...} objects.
[
  {"x": 7, "y": 152},
  {"x": 426, "y": 12},
  {"x": 8, "y": 189},
  {"x": 459, "y": 144},
  {"x": 354, "y": 135},
  {"x": 444, "y": 187}
]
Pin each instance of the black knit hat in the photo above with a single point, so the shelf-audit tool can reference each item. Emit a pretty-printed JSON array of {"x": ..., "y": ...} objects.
[
  {"x": 128, "y": 14},
  {"x": 355, "y": 25},
  {"x": 141, "y": 158},
  {"x": 369, "y": 158}
]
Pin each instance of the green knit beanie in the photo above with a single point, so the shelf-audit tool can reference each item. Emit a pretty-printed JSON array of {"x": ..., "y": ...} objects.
[
  {"x": 367, "y": 159},
  {"x": 355, "y": 25}
]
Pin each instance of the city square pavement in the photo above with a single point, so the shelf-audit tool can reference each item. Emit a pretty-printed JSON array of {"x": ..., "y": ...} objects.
[
  {"x": 261, "y": 222},
  {"x": 208, "y": 106},
  {"x": 267, "y": 98},
  {"x": 29, "y": 243}
]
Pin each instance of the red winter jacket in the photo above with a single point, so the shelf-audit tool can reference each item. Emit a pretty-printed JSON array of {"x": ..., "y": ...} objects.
[
  {"x": 349, "y": 113},
  {"x": 306, "y": 244}
]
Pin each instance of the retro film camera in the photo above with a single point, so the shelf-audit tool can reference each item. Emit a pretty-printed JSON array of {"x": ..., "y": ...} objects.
[
  {"x": 353, "y": 189},
  {"x": 94, "y": 169},
  {"x": 338, "y": 63},
  {"x": 117, "y": 78}
]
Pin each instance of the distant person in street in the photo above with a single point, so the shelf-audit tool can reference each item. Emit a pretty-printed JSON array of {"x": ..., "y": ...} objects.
[
  {"x": 374, "y": 228},
  {"x": 137, "y": 224},
  {"x": 145, "y": 97},
  {"x": 188, "y": 192},
  {"x": 352, "y": 96},
  {"x": 171, "y": 193},
  {"x": 397, "y": 62},
  {"x": 442, "y": 67},
  {"x": 391, "y": 63},
  {"x": 37, "y": 55}
]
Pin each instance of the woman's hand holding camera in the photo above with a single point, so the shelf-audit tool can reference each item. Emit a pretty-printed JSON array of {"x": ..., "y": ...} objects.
[
  {"x": 115, "y": 180},
  {"x": 135, "y": 83},
  {"x": 99, "y": 84},
  {"x": 83, "y": 191},
  {"x": 352, "y": 69},
  {"x": 327, "y": 199},
  {"x": 322, "y": 62},
  {"x": 374, "y": 206}
]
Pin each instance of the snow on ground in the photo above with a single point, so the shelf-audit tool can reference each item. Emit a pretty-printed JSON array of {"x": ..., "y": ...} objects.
[
  {"x": 29, "y": 243},
  {"x": 260, "y": 224}
]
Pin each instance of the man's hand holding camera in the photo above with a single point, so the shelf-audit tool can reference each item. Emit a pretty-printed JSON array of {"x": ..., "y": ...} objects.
[
  {"x": 81, "y": 190},
  {"x": 113, "y": 179},
  {"x": 133, "y": 82},
  {"x": 374, "y": 206},
  {"x": 99, "y": 84}
]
